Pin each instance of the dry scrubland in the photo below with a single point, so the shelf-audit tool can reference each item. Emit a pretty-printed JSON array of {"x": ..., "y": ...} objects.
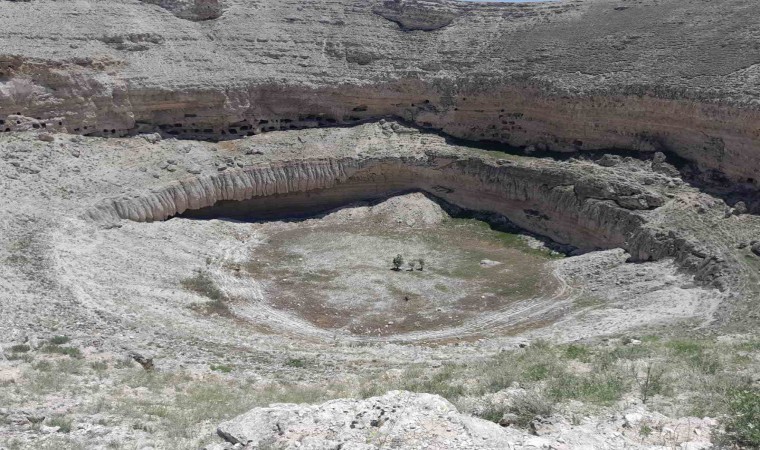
[{"x": 77, "y": 399}]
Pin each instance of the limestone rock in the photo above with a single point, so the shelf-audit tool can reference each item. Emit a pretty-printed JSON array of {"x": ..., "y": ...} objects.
[{"x": 406, "y": 419}]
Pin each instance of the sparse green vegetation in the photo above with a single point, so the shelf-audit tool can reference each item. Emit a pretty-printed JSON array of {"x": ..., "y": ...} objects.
[
  {"x": 63, "y": 424},
  {"x": 180, "y": 406},
  {"x": 524, "y": 408},
  {"x": 398, "y": 261},
  {"x": 295, "y": 362},
  {"x": 20, "y": 348},
  {"x": 578, "y": 352},
  {"x": 221, "y": 368},
  {"x": 743, "y": 424},
  {"x": 600, "y": 388},
  {"x": 651, "y": 382},
  {"x": 59, "y": 340},
  {"x": 201, "y": 283},
  {"x": 72, "y": 352}
]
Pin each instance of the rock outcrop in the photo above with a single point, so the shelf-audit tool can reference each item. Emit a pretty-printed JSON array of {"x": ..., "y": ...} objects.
[
  {"x": 397, "y": 419},
  {"x": 654, "y": 75},
  {"x": 423, "y": 15}
]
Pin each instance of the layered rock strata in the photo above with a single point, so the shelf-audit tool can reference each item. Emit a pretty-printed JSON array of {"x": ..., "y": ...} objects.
[
  {"x": 568, "y": 76},
  {"x": 550, "y": 199}
]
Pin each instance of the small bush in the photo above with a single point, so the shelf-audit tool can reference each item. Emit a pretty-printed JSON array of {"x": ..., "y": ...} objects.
[
  {"x": 59, "y": 340},
  {"x": 525, "y": 407},
  {"x": 538, "y": 372},
  {"x": 578, "y": 352},
  {"x": 651, "y": 383},
  {"x": 20, "y": 348},
  {"x": 604, "y": 388},
  {"x": 99, "y": 366},
  {"x": 398, "y": 261},
  {"x": 201, "y": 283},
  {"x": 743, "y": 423},
  {"x": 682, "y": 347},
  {"x": 63, "y": 424},
  {"x": 295, "y": 362},
  {"x": 214, "y": 307},
  {"x": 43, "y": 366},
  {"x": 72, "y": 352},
  {"x": 221, "y": 368},
  {"x": 528, "y": 407},
  {"x": 26, "y": 357},
  {"x": 124, "y": 363}
]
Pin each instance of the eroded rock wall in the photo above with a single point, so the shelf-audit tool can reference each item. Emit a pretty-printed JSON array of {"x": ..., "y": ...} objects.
[
  {"x": 662, "y": 75},
  {"x": 561, "y": 203}
]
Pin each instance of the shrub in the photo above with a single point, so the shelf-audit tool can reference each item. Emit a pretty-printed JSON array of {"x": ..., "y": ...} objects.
[
  {"x": 525, "y": 408},
  {"x": 398, "y": 261},
  {"x": 221, "y": 368},
  {"x": 99, "y": 366},
  {"x": 20, "y": 348},
  {"x": 63, "y": 424},
  {"x": 295, "y": 362},
  {"x": 603, "y": 388},
  {"x": 59, "y": 340},
  {"x": 651, "y": 383},
  {"x": 538, "y": 372},
  {"x": 681, "y": 347},
  {"x": 578, "y": 352},
  {"x": 201, "y": 283},
  {"x": 743, "y": 423},
  {"x": 72, "y": 352}
]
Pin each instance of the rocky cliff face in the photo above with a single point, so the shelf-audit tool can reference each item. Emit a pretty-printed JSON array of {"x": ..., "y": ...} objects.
[
  {"x": 651, "y": 76},
  {"x": 585, "y": 209}
]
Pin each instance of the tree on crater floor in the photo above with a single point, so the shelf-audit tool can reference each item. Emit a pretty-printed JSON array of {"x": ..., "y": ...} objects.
[{"x": 398, "y": 261}]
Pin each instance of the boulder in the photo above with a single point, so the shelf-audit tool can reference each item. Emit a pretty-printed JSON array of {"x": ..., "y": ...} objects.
[{"x": 406, "y": 419}]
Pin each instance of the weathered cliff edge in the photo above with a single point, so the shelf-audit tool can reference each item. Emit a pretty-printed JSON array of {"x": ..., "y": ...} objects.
[
  {"x": 554, "y": 200},
  {"x": 652, "y": 76}
]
